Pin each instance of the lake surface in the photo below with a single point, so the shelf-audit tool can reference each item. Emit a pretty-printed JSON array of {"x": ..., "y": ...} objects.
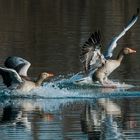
[{"x": 49, "y": 34}]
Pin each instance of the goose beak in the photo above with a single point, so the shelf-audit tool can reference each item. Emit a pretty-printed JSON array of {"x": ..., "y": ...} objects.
[
  {"x": 132, "y": 51},
  {"x": 50, "y": 74}
]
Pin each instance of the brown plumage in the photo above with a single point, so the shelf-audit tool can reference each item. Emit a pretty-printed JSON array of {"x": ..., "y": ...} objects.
[
  {"x": 110, "y": 65},
  {"x": 14, "y": 81}
]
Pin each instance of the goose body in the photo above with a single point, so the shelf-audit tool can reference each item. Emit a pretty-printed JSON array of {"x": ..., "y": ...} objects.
[
  {"x": 102, "y": 73},
  {"x": 27, "y": 85},
  {"x": 107, "y": 68}
]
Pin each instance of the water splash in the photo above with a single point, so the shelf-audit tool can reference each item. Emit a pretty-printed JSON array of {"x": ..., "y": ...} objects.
[{"x": 66, "y": 87}]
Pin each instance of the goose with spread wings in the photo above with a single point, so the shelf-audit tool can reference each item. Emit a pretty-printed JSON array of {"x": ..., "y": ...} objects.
[
  {"x": 99, "y": 66},
  {"x": 16, "y": 77}
]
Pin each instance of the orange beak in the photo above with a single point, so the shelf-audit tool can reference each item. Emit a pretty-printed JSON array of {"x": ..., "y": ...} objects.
[
  {"x": 132, "y": 51},
  {"x": 50, "y": 74}
]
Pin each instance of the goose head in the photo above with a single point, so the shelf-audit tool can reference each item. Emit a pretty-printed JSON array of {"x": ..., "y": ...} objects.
[
  {"x": 45, "y": 75},
  {"x": 42, "y": 77},
  {"x": 128, "y": 51}
]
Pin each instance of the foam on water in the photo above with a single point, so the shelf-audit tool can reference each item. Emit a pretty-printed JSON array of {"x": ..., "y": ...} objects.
[{"x": 80, "y": 79}]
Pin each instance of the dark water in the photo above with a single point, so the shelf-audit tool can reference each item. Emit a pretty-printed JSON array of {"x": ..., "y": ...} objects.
[{"x": 49, "y": 34}]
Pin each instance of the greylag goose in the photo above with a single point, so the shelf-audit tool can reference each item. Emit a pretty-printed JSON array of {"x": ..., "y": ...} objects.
[
  {"x": 97, "y": 64},
  {"x": 17, "y": 78}
]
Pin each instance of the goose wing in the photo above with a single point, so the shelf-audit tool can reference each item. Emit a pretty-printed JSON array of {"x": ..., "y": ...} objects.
[
  {"x": 10, "y": 76},
  {"x": 90, "y": 55},
  {"x": 19, "y": 64},
  {"x": 112, "y": 45}
]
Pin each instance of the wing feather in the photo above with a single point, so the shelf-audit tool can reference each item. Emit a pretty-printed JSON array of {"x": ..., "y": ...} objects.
[
  {"x": 19, "y": 64},
  {"x": 10, "y": 76},
  {"x": 112, "y": 45},
  {"x": 90, "y": 55}
]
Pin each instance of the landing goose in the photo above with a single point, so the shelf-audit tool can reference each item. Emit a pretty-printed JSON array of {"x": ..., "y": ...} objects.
[
  {"x": 94, "y": 61},
  {"x": 16, "y": 77}
]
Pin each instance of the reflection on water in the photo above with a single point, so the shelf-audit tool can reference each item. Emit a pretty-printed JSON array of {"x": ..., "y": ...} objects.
[
  {"x": 73, "y": 119},
  {"x": 105, "y": 120},
  {"x": 49, "y": 34}
]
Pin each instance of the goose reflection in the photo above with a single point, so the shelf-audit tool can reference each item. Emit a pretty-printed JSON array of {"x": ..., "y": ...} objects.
[
  {"x": 101, "y": 121},
  {"x": 16, "y": 117},
  {"x": 23, "y": 114}
]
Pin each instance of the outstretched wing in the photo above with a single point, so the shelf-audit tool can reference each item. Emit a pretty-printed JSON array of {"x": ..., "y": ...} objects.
[
  {"x": 10, "y": 76},
  {"x": 112, "y": 45},
  {"x": 19, "y": 64},
  {"x": 90, "y": 56}
]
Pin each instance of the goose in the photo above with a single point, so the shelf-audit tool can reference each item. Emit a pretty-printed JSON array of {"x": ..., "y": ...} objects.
[
  {"x": 96, "y": 63},
  {"x": 19, "y": 80}
]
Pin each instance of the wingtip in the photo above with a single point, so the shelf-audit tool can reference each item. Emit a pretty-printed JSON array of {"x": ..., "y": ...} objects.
[{"x": 96, "y": 37}]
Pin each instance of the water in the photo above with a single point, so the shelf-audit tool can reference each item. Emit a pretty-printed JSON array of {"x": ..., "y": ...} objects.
[{"x": 49, "y": 34}]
